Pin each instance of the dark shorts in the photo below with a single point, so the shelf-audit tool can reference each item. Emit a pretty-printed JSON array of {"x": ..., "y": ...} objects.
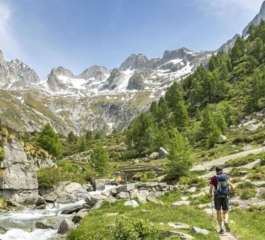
[{"x": 221, "y": 202}]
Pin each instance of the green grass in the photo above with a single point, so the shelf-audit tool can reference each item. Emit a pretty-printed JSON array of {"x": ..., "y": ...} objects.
[
  {"x": 97, "y": 222},
  {"x": 249, "y": 223},
  {"x": 241, "y": 161}
]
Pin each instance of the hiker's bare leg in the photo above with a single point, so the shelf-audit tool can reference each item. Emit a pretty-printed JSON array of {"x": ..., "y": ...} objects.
[
  {"x": 219, "y": 218},
  {"x": 225, "y": 216}
]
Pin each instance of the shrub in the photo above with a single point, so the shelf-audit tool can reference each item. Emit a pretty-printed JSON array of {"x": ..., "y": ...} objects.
[
  {"x": 4, "y": 132},
  {"x": 133, "y": 229},
  {"x": 2, "y": 154},
  {"x": 245, "y": 190},
  {"x": 10, "y": 138},
  {"x": 3, "y": 204}
]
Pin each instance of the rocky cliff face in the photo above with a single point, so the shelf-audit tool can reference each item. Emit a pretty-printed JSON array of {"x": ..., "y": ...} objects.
[
  {"x": 18, "y": 180},
  {"x": 256, "y": 21}
]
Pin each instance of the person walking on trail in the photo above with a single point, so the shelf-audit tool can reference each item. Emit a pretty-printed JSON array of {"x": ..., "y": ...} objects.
[{"x": 221, "y": 186}]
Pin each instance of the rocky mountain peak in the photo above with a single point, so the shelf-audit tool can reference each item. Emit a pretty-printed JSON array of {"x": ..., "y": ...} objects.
[
  {"x": 229, "y": 44},
  {"x": 134, "y": 62},
  {"x": 257, "y": 19},
  {"x": 64, "y": 72},
  {"x": 115, "y": 79},
  {"x": 97, "y": 72}
]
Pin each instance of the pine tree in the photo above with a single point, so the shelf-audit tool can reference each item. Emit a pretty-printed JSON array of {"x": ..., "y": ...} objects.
[
  {"x": 173, "y": 96},
  {"x": 180, "y": 115},
  {"x": 89, "y": 136},
  {"x": 49, "y": 141},
  {"x": 220, "y": 122},
  {"x": 209, "y": 129},
  {"x": 154, "y": 108},
  {"x": 179, "y": 156},
  {"x": 71, "y": 137},
  {"x": 82, "y": 145},
  {"x": 100, "y": 159}
]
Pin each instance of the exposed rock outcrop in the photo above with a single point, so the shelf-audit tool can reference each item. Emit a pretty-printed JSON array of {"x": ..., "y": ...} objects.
[{"x": 18, "y": 180}]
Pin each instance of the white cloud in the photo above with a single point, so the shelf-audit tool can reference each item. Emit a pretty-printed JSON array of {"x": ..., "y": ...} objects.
[
  {"x": 8, "y": 44},
  {"x": 232, "y": 11}
]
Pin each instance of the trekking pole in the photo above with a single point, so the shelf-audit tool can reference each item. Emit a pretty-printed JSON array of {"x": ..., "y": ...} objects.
[{"x": 212, "y": 212}]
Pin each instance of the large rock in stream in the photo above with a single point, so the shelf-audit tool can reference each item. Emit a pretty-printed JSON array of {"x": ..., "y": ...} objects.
[
  {"x": 64, "y": 192},
  {"x": 18, "y": 180}
]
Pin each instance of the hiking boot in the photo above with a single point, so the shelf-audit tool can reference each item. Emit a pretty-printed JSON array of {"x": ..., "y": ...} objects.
[
  {"x": 221, "y": 231},
  {"x": 227, "y": 228}
]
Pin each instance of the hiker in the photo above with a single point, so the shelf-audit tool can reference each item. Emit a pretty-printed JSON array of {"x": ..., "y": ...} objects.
[{"x": 222, "y": 187}]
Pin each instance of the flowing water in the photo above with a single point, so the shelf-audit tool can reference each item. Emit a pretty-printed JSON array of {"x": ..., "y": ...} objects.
[{"x": 22, "y": 223}]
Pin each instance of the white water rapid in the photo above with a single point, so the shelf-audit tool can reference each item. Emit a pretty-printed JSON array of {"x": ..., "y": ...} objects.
[{"x": 22, "y": 223}]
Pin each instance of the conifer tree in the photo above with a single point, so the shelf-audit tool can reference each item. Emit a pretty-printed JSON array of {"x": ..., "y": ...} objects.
[
  {"x": 49, "y": 141},
  {"x": 82, "y": 145},
  {"x": 220, "y": 122},
  {"x": 100, "y": 159},
  {"x": 71, "y": 137},
  {"x": 180, "y": 115},
  {"x": 89, "y": 136},
  {"x": 179, "y": 156}
]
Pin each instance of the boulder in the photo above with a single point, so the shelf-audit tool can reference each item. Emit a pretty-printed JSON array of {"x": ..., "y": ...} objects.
[
  {"x": 154, "y": 200},
  {"x": 47, "y": 223},
  {"x": 123, "y": 195},
  {"x": 107, "y": 193},
  {"x": 141, "y": 195},
  {"x": 153, "y": 155},
  {"x": 65, "y": 226},
  {"x": 133, "y": 193},
  {"x": 131, "y": 203},
  {"x": 69, "y": 192},
  {"x": 88, "y": 187},
  {"x": 40, "y": 201},
  {"x": 99, "y": 184},
  {"x": 80, "y": 215},
  {"x": 251, "y": 127},
  {"x": 196, "y": 230},
  {"x": 91, "y": 200},
  {"x": 49, "y": 195},
  {"x": 18, "y": 178},
  {"x": 179, "y": 203},
  {"x": 162, "y": 153},
  {"x": 246, "y": 147},
  {"x": 72, "y": 210},
  {"x": 125, "y": 188},
  {"x": 178, "y": 225},
  {"x": 192, "y": 190},
  {"x": 98, "y": 204},
  {"x": 182, "y": 236},
  {"x": 2, "y": 230},
  {"x": 223, "y": 138}
]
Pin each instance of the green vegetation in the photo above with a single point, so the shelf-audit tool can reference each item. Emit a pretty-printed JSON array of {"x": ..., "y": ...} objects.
[
  {"x": 49, "y": 141},
  {"x": 249, "y": 223},
  {"x": 246, "y": 190},
  {"x": 3, "y": 203},
  {"x": 100, "y": 159},
  {"x": 96, "y": 222},
  {"x": 241, "y": 161}
]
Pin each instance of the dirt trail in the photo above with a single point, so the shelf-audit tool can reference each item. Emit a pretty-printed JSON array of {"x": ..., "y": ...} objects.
[
  {"x": 223, "y": 160},
  {"x": 228, "y": 236}
]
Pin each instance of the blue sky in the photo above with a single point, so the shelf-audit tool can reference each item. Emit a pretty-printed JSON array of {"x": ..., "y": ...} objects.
[{"x": 77, "y": 34}]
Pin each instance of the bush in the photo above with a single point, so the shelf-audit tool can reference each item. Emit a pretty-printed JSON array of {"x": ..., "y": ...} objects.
[
  {"x": 10, "y": 138},
  {"x": 4, "y": 132},
  {"x": 2, "y": 154},
  {"x": 3, "y": 204},
  {"x": 245, "y": 190},
  {"x": 133, "y": 229}
]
